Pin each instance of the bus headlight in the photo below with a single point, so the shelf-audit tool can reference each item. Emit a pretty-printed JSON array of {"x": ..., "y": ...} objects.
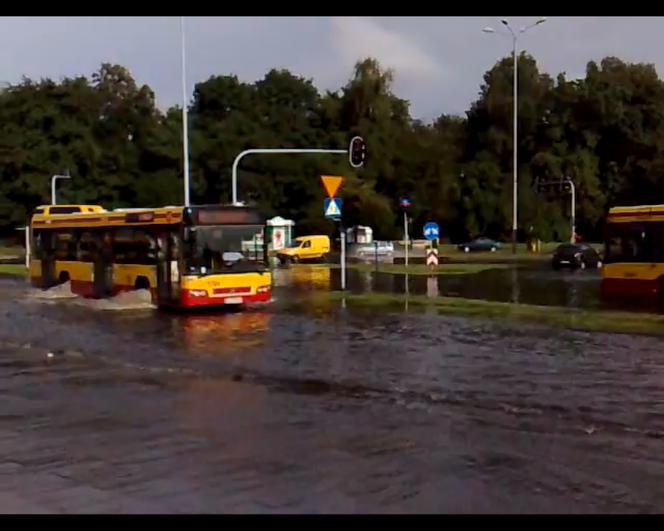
[
  {"x": 263, "y": 289},
  {"x": 198, "y": 293}
]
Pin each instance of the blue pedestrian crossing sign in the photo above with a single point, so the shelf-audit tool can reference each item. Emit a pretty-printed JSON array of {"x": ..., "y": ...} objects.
[
  {"x": 431, "y": 231},
  {"x": 332, "y": 208}
]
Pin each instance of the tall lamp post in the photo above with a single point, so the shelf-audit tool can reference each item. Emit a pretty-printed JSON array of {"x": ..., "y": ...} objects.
[
  {"x": 185, "y": 125},
  {"x": 515, "y": 39}
]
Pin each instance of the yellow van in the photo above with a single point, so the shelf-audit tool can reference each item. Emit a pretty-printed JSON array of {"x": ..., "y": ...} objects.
[{"x": 305, "y": 248}]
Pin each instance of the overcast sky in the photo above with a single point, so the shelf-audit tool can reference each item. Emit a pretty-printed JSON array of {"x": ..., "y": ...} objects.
[{"x": 439, "y": 61}]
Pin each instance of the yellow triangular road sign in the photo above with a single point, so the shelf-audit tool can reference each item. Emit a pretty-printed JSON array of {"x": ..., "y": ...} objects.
[{"x": 331, "y": 184}]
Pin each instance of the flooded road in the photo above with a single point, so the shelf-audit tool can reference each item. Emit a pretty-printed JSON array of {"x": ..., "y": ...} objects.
[
  {"x": 301, "y": 408},
  {"x": 526, "y": 284}
]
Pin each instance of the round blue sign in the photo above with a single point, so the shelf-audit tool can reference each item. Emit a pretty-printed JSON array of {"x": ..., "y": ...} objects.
[{"x": 431, "y": 230}]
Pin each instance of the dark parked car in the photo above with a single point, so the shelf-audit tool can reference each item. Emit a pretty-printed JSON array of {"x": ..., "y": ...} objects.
[
  {"x": 575, "y": 255},
  {"x": 479, "y": 244}
]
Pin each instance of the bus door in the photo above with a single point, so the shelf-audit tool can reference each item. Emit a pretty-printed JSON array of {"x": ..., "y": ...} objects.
[
  {"x": 103, "y": 266},
  {"x": 168, "y": 268},
  {"x": 47, "y": 244}
]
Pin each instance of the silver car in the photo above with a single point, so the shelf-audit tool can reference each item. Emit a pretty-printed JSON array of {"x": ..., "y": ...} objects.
[{"x": 367, "y": 250}]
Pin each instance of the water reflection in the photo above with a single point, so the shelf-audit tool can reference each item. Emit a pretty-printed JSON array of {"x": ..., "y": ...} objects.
[
  {"x": 526, "y": 285},
  {"x": 207, "y": 333},
  {"x": 532, "y": 284},
  {"x": 515, "y": 285},
  {"x": 305, "y": 277},
  {"x": 432, "y": 287}
]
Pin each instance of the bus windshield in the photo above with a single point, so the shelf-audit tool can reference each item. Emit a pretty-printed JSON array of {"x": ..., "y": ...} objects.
[{"x": 224, "y": 249}]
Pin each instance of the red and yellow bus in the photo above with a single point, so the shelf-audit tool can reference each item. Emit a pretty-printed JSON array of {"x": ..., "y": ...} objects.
[
  {"x": 186, "y": 256},
  {"x": 634, "y": 251}
]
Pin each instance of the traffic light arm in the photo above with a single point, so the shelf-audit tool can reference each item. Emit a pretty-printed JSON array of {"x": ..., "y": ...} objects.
[
  {"x": 355, "y": 141},
  {"x": 237, "y": 160}
]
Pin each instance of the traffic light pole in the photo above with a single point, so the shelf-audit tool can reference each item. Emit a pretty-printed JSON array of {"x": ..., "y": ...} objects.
[
  {"x": 342, "y": 237},
  {"x": 246, "y": 152},
  {"x": 572, "y": 237},
  {"x": 572, "y": 189}
]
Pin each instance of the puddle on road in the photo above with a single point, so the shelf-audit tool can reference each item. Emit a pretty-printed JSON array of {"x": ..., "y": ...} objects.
[
  {"x": 530, "y": 284},
  {"x": 527, "y": 284}
]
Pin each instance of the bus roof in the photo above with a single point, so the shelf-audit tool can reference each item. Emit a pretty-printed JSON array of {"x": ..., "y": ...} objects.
[
  {"x": 199, "y": 214},
  {"x": 636, "y": 213},
  {"x": 104, "y": 218},
  {"x": 46, "y": 209}
]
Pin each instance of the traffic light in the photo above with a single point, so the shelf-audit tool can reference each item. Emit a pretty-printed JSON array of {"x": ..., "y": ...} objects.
[{"x": 357, "y": 152}]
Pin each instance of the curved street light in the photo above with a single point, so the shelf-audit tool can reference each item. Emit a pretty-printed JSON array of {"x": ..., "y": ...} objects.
[{"x": 54, "y": 178}]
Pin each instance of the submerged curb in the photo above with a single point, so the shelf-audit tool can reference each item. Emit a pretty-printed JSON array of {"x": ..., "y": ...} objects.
[{"x": 556, "y": 316}]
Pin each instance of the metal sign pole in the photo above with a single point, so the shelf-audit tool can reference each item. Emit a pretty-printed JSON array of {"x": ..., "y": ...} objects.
[
  {"x": 343, "y": 257},
  {"x": 27, "y": 245},
  {"x": 405, "y": 232}
]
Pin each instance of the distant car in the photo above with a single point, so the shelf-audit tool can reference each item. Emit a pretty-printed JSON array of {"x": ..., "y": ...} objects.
[
  {"x": 479, "y": 244},
  {"x": 370, "y": 249},
  {"x": 575, "y": 256}
]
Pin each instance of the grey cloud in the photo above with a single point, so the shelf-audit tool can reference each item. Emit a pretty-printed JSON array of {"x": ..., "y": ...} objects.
[{"x": 439, "y": 61}]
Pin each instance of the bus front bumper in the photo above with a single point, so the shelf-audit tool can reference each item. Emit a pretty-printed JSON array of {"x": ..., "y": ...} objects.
[{"x": 191, "y": 298}]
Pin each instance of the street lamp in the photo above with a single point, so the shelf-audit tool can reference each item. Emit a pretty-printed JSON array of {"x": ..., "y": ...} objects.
[
  {"x": 185, "y": 125},
  {"x": 515, "y": 192},
  {"x": 53, "y": 179}
]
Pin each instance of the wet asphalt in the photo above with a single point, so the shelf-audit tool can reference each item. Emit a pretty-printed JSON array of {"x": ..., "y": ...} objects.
[{"x": 310, "y": 407}]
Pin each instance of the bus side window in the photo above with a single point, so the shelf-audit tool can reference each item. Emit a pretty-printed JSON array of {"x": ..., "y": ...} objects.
[
  {"x": 161, "y": 247},
  {"x": 646, "y": 250},
  {"x": 614, "y": 249},
  {"x": 36, "y": 244},
  {"x": 638, "y": 243},
  {"x": 174, "y": 240},
  {"x": 144, "y": 246},
  {"x": 65, "y": 245},
  {"x": 658, "y": 242},
  {"x": 86, "y": 247},
  {"x": 122, "y": 246},
  {"x": 174, "y": 257}
]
